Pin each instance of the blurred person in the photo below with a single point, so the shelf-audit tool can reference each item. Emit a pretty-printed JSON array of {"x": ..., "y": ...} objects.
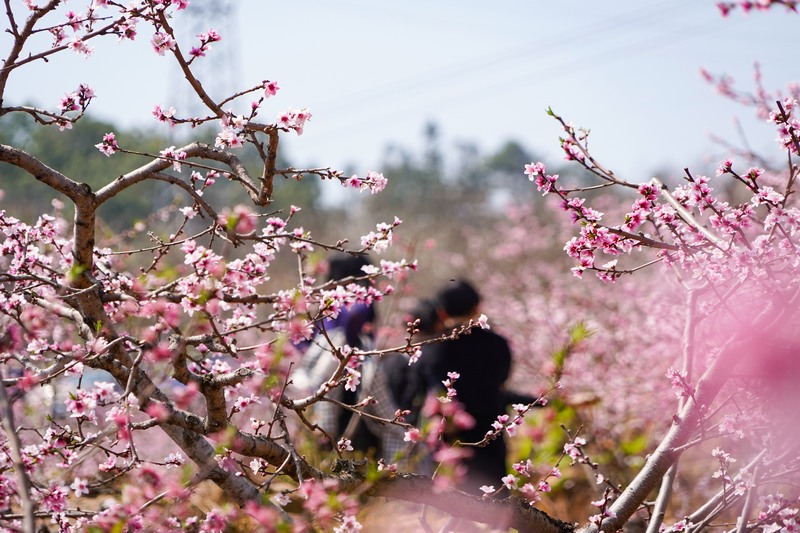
[
  {"x": 354, "y": 326},
  {"x": 406, "y": 381},
  {"x": 482, "y": 358}
]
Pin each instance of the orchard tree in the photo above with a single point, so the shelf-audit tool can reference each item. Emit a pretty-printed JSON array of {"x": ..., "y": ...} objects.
[
  {"x": 142, "y": 364},
  {"x": 139, "y": 366},
  {"x": 737, "y": 263}
]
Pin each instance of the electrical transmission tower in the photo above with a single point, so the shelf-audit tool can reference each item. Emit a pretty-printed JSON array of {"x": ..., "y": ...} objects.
[{"x": 219, "y": 71}]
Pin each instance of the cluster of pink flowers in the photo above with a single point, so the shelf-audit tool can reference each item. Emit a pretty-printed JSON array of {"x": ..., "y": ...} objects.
[
  {"x": 75, "y": 22},
  {"x": 175, "y": 156},
  {"x": 126, "y": 28},
  {"x": 331, "y": 302},
  {"x": 778, "y": 513},
  {"x": 683, "y": 389},
  {"x": 241, "y": 219},
  {"x": 243, "y": 402},
  {"x": 786, "y": 117},
  {"x": 536, "y": 172},
  {"x": 572, "y": 151},
  {"x": 760, "y": 5},
  {"x": 615, "y": 240},
  {"x": 522, "y": 481},
  {"x": 270, "y": 88},
  {"x": 206, "y": 38},
  {"x": 725, "y": 461},
  {"x": 391, "y": 269},
  {"x": 163, "y": 42},
  {"x": 77, "y": 100},
  {"x": 200, "y": 182},
  {"x": 79, "y": 45},
  {"x": 294, "y": 120},
  {"x": 232, "y": 134},
  {"x": 164, "y": 115},
  {"x": 352, "y": 369},
  {"x": 605, "y": 512},
  {"x": 25, "y": 249},
  {"x": 374, "y": 182},
  {"x": 109, "y": 145},
  {"x": 380, "y": 239}
]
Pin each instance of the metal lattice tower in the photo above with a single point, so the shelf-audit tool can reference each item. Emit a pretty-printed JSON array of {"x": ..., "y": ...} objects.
[{"x": 219, "y": 71}]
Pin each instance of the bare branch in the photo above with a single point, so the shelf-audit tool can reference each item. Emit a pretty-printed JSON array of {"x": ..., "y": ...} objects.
[
  {"x": 50, "y": 177},
  {"x": 199, "y": 150},
  {"x": 503, "y": 514},
  {"x": 15, "y": 447}
]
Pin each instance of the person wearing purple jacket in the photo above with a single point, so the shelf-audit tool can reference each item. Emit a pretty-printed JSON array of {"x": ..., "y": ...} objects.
[{"x": 354, "y": 326}]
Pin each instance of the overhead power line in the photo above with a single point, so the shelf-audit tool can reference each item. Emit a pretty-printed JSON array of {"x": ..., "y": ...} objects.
[
  {"x": 610, "y": 27},
  {"x": 595, "y": 57}
]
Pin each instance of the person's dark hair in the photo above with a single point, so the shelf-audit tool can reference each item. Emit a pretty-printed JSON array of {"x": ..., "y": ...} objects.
[
  {"x": 427, "y": 312},
  {"x": 343, "y": 266},
  {"x": 458, "y": 298}
]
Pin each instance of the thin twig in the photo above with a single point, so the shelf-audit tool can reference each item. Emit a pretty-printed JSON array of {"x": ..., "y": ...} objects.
[{"x": 15, "y": 447}]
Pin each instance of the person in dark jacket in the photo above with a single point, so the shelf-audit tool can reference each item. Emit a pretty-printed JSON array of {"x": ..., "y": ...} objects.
[
  {"x": 406, "y": 381},
  {"x": 482, "y": 358}
]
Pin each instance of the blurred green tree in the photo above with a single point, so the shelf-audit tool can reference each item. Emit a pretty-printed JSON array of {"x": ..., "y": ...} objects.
[{"x": 73, "y": 152}]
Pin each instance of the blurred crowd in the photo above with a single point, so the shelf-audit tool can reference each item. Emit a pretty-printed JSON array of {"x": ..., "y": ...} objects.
[{"x": 455, "y": 389}]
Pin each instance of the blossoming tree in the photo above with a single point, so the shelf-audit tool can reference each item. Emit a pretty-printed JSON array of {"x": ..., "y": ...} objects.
[
  {"x": 186, "y": 345},
  {"x": 737, "y": 262},
  {"x": 137, "y": 367}
]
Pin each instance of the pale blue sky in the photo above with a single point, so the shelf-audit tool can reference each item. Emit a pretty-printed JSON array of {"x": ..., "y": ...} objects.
[{"x": 375, "y": 72}]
